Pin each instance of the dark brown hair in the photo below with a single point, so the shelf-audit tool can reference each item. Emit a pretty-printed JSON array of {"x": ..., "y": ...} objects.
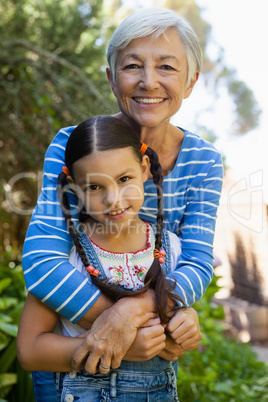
[{"x": 102, "y": 133}]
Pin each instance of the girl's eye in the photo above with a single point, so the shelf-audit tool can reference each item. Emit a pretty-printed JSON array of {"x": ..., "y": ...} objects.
[
  {"x": 124, "y": 179},
  {"x": 92, "y": 187}
]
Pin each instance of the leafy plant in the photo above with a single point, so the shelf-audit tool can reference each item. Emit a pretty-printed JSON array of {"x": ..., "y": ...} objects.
[
  {"x": 12, "y": 296},
  {"x": 52, "y": 75},
  {"x": 222, "y": 370}
]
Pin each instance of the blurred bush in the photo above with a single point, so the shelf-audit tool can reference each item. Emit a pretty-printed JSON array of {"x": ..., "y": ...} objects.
[
  {"x": 15, "y": 383},
  {"x": 222, "y": 369}
]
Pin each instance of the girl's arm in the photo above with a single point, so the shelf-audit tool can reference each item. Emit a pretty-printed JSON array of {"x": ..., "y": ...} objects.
[{"x": 37, "y": 347}]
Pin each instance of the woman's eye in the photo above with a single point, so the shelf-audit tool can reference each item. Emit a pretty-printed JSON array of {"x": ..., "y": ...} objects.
[
  {"x": 124, "y": 179},
  {"x": 167, "y": 67},
  {"x": 131, "y": 66}
]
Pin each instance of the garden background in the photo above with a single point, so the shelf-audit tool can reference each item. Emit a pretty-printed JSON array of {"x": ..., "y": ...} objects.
[{"x": 52, "y": 74}]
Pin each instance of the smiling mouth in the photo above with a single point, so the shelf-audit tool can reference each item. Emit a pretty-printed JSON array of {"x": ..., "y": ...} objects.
[
  {"x": 149, "y": 100},
  {"x": 117, "y": 212}
]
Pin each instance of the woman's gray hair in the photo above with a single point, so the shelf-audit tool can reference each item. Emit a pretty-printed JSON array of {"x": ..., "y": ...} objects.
[{"x": 154, "y": 22}]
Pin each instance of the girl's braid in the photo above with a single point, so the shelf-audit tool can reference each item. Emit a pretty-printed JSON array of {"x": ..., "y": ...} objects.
[
  {"x": 156, "y": 171},
  {"x": 69, "y": 223},
  {"x": 156, "y": 277}
]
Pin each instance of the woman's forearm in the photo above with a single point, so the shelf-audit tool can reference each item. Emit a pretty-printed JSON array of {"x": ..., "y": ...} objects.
[
  {"x": 114, "y": 331},
  {"x": 100, "y": 305},
  {"x": 103, "y": 303}
]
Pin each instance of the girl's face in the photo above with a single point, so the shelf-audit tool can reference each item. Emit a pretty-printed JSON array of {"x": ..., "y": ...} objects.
[
  {"x": 110, "y": 185},
  {"x": 151, "y": 79}
]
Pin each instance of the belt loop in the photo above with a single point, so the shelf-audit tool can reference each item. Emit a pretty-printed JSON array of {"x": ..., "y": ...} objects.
[
  {"x": 113, "y": 384},
  {"x": 58, "y": 381},
  {"x": 169, "y": 382}
]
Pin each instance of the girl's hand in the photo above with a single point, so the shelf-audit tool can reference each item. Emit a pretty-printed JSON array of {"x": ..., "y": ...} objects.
[
  {"x": 171, "y": 350},
  {"x": 184, "y": 328},
  {"x": 149, "y": 342},
  {"x": 182, "y": 333}
]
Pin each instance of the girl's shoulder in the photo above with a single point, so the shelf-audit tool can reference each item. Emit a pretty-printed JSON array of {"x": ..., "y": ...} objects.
[{"x": 75, "y": 260}]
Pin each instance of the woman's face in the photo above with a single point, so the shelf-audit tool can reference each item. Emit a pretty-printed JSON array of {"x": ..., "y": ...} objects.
[{"x": 151, "y": 79}]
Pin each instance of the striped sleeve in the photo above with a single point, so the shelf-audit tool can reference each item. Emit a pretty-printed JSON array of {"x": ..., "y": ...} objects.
[
  {"x": 48, "y": 274},
  {"x": 196, "y": 230},
  {"x": 191, "y": 199}
]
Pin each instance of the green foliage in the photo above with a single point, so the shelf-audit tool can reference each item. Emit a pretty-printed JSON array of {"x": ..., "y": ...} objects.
[
  {"x": 222, "y": 370},
  {"x": 51, "y": 58},
  {"x": 52, "y": 75},
  {"x": 246, "y": 111},
  {"x": 12, "y": 296}
]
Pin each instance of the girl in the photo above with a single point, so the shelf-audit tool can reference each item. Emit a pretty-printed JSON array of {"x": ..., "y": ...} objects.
[{"x": 106, "y": 167}]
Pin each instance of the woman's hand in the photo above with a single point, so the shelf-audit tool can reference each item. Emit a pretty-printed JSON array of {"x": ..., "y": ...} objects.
[
  {"x": 113, "y": 332},
  {"x": 184, "y": 328}
]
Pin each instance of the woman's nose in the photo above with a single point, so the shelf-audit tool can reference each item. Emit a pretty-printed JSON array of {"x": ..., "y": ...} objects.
[{"x": 149, "y": 78}]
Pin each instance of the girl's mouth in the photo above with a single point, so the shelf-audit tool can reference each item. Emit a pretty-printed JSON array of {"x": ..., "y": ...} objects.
[{"x": 117, "y": 212}]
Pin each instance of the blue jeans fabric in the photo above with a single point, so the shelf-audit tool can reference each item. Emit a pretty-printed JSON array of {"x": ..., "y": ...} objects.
[
  {"x": 45, "y": 389},
  {"x": 44, "y": 386},
  {"x": 153, "y": 381}
]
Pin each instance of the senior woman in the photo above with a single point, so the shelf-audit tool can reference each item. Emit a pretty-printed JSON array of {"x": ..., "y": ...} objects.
[{"x": 154, "y": 62}]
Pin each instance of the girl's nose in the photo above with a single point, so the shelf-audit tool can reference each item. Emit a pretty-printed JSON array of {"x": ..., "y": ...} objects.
[{"x": 111, "y": 196}]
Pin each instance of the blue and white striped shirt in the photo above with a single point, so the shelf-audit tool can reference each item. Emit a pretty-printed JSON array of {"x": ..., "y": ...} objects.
[{"x": 191, "y": 198}]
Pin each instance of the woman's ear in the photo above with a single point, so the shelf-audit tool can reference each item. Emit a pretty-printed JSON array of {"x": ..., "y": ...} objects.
[
  {"x": 190, "y": 87},
  {"x": 145, "y": 166},
  {"x": 111, "y": 80}
]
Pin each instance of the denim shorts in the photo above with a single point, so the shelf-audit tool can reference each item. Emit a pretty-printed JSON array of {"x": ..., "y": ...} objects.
[
  {"x": 44, "y": 386},
  {"x": 126, "y": 384}
]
